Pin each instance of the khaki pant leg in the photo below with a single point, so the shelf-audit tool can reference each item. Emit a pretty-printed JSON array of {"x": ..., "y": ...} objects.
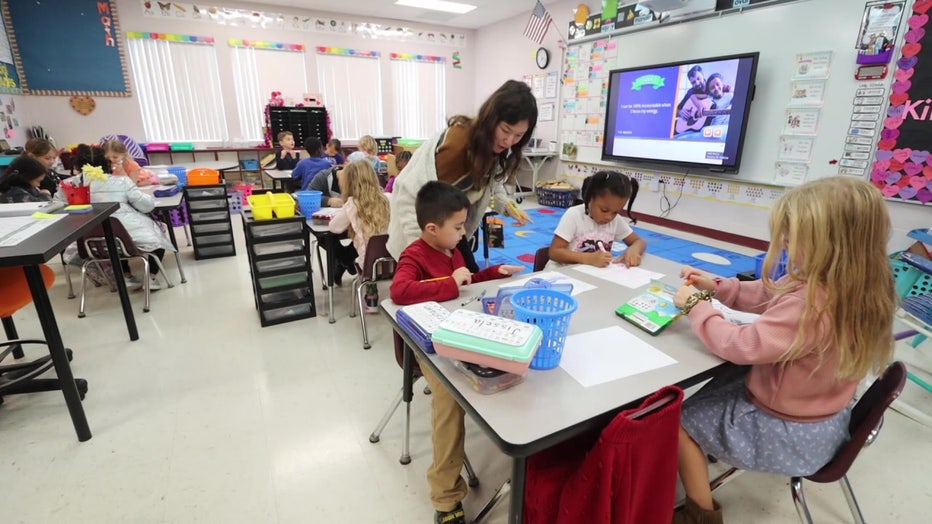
[{"x": 447, "y": 487}]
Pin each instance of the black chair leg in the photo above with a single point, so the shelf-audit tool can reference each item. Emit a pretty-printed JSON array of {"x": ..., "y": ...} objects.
[{"x": 10, "y": 328}]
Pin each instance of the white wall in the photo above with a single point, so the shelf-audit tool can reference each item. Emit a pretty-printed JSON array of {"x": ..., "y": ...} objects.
[
  {"x": 122, "y": 115},
  {"x": 503, "y": 52}
]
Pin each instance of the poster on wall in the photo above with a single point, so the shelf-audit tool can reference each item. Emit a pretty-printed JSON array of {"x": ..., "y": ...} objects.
[
  {"x": 9, "y": 80},
  {"x": 902, "y": 166},
  {"x": 94, "y": 64}
]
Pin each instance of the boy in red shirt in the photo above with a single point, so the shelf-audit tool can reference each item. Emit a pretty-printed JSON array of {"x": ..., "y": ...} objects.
[{"x": 432, "y": 268}]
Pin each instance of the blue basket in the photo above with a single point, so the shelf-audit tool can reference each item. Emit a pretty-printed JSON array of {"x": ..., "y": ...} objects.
[
  {"x": 551, "y": 312},
  {"x": 308, "y": 201},
  {"x": 181, "y": 173}
]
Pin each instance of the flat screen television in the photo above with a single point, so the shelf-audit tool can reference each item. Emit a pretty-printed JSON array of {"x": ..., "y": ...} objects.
[{"x": 690, "y": 113}]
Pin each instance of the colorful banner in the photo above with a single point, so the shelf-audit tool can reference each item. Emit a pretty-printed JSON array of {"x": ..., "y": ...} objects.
[
  {"x": 234, "y": 42},
  {"x": 903, "y": 164},
  {"x": 297, "y": 22},
  {"x": 170, "y": 37},
  {"x": 349, "y": 52},
  {"x": 417, "y": 58}
]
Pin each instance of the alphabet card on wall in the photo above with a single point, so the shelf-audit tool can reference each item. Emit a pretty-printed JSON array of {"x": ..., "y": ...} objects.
[{"x": 902, "y": 167}]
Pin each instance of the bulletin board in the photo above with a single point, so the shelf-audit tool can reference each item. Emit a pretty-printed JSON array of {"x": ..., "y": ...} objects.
[
  {"x": 9, "y": 79},
  {"x": 67, "y": 47},
  {"x": 800, "y": 28}
]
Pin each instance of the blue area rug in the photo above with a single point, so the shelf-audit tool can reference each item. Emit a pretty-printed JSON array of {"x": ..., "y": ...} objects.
[{"x": 521, "y": 243}]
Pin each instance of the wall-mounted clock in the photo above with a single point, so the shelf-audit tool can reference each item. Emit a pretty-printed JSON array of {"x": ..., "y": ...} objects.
[{"x": 543, "y": 58}]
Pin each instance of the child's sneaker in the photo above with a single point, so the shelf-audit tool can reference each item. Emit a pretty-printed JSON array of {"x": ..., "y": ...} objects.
[
  {"x": 154, "y": 283},
  {"x": 132, "y": 282},
  {"x": 98, "y": 278},
  {"x": 372, "y": 298},
  {"x": 454, "y": 516}
]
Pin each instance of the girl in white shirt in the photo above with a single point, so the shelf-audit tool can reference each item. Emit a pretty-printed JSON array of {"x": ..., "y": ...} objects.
[{"x": 587, "y": 231}]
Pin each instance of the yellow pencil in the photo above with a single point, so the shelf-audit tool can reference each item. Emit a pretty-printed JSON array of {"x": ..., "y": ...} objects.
[{"x": 435, "y": 279}]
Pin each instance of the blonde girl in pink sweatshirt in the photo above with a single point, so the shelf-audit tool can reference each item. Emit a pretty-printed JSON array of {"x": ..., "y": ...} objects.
[{"x": 821, "y": 329}]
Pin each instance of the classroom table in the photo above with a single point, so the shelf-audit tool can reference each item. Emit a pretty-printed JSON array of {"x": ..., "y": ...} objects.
[
  {"x": 535, "y": 160},
  {"x": 550, "y": 406},
  {"x": 279, "y": 177},
  {"x": 42, "y": 247}
]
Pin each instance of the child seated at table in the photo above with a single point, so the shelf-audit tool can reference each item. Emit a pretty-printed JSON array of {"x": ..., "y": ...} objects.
[
  {"x": 333, "y": 153},
  {"x": 401, "y": 160},
  {"x": 364, "y": 214},
  {"x": 148, "y": 235},
  {"x": 586, "y": 231},
  {"x": 305, "y": 173},
  {"x": 287, "y": 157},
  {"x": 122, "y": 164},
  {"x": 21, "y": 182},
  {"x": 432, "y": 268},
  {"x": 369, "y": 150}
]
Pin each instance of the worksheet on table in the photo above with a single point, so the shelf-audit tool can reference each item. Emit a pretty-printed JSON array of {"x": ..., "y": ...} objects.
[
  {"x": 632, "y": 277},
  {"x": 14, "y": 230}
]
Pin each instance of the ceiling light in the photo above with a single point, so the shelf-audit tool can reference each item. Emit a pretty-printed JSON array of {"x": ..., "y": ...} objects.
[{"x": 438, "y": 5}]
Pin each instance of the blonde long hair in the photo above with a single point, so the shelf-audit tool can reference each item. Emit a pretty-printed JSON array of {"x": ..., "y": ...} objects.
[
  {"x": 835, "y": 233},
  {"x": 361, "y": 183}
]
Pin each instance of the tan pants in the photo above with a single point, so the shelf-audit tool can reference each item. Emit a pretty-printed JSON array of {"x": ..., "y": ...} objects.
[{"x": 447, "y": 487}]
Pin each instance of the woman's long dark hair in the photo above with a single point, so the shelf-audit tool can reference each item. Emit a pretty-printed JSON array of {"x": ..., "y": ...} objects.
[
  {"x": 510, "y": 103},
  {"x": 20, "y": 172}
]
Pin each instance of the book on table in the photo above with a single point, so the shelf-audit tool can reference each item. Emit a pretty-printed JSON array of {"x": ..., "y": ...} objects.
[{"x": 652, "y": 310}]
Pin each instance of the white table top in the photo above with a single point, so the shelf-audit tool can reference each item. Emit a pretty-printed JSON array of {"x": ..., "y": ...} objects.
[
  {"x": 219, "y": 165},
  {"x": 169, "y": 202},
  {"x": 549, "y": 401},
  {"x": 278, "y": 174},
  {"x": 538, "y": 153}
]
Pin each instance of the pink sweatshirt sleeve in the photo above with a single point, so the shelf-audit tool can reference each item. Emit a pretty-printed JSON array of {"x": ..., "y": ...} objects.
[
  {"x": 763, "y": 341},
  {"x": 342, "y": 218},
  {"x": 751, "y": 297}
]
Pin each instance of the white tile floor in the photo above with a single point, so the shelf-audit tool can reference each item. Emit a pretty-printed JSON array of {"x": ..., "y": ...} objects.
[{"x": 210, "y": 418}]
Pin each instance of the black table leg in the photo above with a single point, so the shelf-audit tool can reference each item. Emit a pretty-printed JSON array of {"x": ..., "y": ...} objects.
[
  {"x": 57, "y": 350},
  {"x": 518, "y": 476},
  {"x": 120, "y": 283},
  {"x": 167, "y": 220},
  {"x": 407, "y": 366}
]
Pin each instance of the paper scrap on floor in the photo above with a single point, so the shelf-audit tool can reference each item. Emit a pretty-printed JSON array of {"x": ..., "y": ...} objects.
[
  {"x": 553, "y": 277},
  {"x": 632, "y": 277},
  {"x": 608, "y": 354}
]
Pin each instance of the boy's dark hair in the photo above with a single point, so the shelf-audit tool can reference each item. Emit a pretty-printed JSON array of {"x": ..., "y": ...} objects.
[
  {"x": 403, "y": 155},
  {"x": 610, "y": 182},
  {"x": 438, "y": 201},
  {"x": 283, "y": 134},
  {"x": 20, "y": 172},
  {"x": 693, "y": 70},
  {"x": 335, "y": 143},
  {"x": 313, "y": 146},
  {"x": 90, "y": 155}
]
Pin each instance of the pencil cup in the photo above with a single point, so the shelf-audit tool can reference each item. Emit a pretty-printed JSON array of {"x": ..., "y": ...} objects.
[
  {"x": 308, "y": 201},
  {"x": 551, "y": 312},
  {"x": 77, "y": 195}
]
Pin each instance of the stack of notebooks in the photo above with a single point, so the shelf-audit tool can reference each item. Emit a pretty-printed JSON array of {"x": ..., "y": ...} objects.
[
  {"x": 324, "y": 215},
  {"x": 421, "y": 320}
]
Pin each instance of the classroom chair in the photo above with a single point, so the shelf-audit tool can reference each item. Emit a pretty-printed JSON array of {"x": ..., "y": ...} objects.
[
  {"x": 92, "y": 248},
  {"x": 626, "y": 473},
  {"x": 541, "y": 257},
  {"x": 375, "y": 436},
  {"x": 21, "y": 377},
  {"x": 378, "y": 265},
  {"x": 865, "y": 424}
]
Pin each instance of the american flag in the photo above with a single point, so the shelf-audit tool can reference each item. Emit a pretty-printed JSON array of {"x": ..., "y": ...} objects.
[{"x": 538, "y": 24}]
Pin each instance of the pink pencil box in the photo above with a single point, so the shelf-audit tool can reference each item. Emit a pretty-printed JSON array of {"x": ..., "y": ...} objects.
[{"x": 487, "y": 340}]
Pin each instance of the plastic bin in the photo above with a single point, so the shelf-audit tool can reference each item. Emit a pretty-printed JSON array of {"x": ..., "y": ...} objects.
[
  {"x": 181, "y": 173},
  {"x": 777, "y": 272},
  {"x": 202, "y": 229},
  {"x": 157, "y": 147},
  {"x": 203, "y": 205},
  {"x": 211, "y": 215},
  {"x": 203, "y": 177},
  {"x": 910, "y": 281},
  {"x": 280, "y": 264},
  {"x": 282, "y": 204},
  {"x": 556, "y": 197},
  {"x": 277, "y": 248},
  {"x": 551, "y": 311},
  {"x": 182, "y": 146},
  {"x": 261, "y": 207},
  {"x": 309, "y": 201},
  {"x": 235, "y": 202},
  {"x": 206, "y": 192}
]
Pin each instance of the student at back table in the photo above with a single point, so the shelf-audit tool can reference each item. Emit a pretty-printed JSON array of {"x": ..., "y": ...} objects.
[{"x": 308, "y": 168}]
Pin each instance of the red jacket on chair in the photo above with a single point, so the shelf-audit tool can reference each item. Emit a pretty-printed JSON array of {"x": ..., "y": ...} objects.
[{"x": 627, "y": 477}]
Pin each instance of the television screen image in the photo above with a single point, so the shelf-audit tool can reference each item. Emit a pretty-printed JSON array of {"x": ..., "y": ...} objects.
[{"x": 690, "y": 113}]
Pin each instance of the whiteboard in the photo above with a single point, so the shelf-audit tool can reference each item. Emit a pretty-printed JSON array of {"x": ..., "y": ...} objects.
[{"x": 779, "y": 33}]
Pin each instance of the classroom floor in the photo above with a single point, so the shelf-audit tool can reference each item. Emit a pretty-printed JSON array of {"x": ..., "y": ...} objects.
[{"x": 210, "y": 418}]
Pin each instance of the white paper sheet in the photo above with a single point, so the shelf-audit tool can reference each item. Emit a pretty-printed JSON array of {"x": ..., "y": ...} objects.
[
  {"x": 14, "y": 230},
  {"x": 632, "y": 277},
  {"x": 603, "y": 355},
  {"x": 553, "y": 277},
  {"x": 734, "y": 316}
]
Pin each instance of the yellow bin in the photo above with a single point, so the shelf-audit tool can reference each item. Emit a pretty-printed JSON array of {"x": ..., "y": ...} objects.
[{"x": 261, "y": 206}]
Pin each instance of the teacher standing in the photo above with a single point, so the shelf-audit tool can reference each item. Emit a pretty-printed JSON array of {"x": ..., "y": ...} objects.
[{"x": 476, "y": 155}]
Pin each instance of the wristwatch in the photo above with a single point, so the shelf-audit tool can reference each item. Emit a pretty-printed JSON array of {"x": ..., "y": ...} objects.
[{"x": 694, "y": 299}]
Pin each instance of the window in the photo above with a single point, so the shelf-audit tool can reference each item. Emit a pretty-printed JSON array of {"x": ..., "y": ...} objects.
[
  {"x": 256, "y": 73},
  {"x": 178, "y": 88},
  {"x": 351, "y": 85},
  {"x": 419, "y": 85}
]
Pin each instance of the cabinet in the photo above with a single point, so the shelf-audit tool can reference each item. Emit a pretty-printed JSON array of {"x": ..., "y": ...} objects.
[
  {"x": 247, "y": 160},
  {"x": 280, "y": 268},
  {"x": 209, "y": 214},
  {"x": 301, "y": 121}
]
